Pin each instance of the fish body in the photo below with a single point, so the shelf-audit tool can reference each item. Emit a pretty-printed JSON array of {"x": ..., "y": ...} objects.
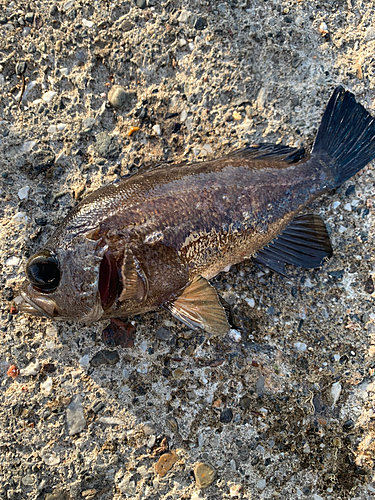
[{"x": 155, "y": 238}]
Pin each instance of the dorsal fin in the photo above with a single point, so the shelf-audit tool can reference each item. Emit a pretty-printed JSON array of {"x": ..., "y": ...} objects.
[{"x": 268, "y": 151}]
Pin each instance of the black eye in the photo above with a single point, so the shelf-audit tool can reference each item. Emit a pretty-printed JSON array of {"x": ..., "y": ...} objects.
[{"x": 43, "y": 271}]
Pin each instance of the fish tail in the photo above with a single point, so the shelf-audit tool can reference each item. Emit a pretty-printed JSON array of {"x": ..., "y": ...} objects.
[{"x": 346, "y": 137}]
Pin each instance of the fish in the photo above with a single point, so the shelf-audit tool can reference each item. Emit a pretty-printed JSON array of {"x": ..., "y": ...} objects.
[{"x": 155, "y": 239}]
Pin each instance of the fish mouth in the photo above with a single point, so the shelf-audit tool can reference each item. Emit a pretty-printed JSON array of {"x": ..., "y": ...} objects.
[{"x": 38, "y": 306}]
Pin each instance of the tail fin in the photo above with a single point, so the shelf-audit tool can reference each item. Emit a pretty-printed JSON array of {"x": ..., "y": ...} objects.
[{"x": 347, "y": 135}]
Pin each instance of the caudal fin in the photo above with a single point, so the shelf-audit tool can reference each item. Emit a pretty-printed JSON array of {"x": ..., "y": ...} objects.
[{"x": 346, "y": 135}]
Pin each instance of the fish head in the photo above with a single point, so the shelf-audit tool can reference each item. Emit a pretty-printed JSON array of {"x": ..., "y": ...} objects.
[{"x": 74, "y": 281}]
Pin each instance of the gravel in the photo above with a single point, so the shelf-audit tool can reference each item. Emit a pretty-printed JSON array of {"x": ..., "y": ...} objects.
[{"x": 283, "y": 407}]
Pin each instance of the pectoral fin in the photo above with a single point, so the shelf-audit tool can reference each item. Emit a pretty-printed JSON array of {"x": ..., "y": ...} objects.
[
  {"x": 304, "y": 243},
  {"x": 198, "y": 306}
]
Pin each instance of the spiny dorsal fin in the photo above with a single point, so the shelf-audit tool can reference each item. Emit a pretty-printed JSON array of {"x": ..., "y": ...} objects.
[
  {"x": 267, "y": 151},
  {"x": 303, "y": 243},
  {"x": 198, "y": 306}
]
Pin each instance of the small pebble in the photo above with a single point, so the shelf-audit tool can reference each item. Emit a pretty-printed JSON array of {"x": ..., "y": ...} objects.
[
  {"x": 226, "y": 416},
  {"x": 21, "y": 68},
  {"x": 300, "y": 346},
  {"x": 13, "y": 261},
  {"x": 335, "y": 392},
  {"x": 88, "y": 24},
  {"x": 105, "y": 357},
  {"x": 119, "y": 333},
  {"x": 31, "y": 369},
  {"x": 75, "y": 418},
  {"x": 68, "y": 5},
  {"x": 118, "y": 98},
  {"x": 29, "y": 17},
  {"x": 23, "y": 193},
  {"x": 156, "y": 128},
  {"x": 261, "y": 484},
  {"x": 48, "y": 96},
  {"x": 46, "y": 386},
  {"x": 49, "y": 458},
  {"x": 13, "y": 371},
  {"x": 323, "y": 28},
  {"x": 127, "y": 486},
  {"x": 204, "y": 474},
  {"x": 235, "y": 335},
  {"x": 107, "y": 146},
  {"x": 166, "y": 462}
]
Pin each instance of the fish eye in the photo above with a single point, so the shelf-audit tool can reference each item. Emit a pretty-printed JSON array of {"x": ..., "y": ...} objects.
[{"x": 43, "y": 271}]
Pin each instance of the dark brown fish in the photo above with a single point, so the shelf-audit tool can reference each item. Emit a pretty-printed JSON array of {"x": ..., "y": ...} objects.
[{"x": 154, "y": 239}]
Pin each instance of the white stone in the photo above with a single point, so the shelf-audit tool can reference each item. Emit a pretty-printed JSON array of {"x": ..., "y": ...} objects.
[
  {"x": 127, "y": 486},
  {"x": 342, "y": 229},
  {"x": 46, "y": 386},
  {"x": 27, "y": 146},
  {"x": 306, "y": 448},
  {"x": 61, "y": 127},
  {"x": 335, "y": 392},
  {"x": 13, "y": 261},
  {"x": 84, "y": 361},
  {"x": 28, "y": 480},
  {"x": 49, "y": 457},
  {"x": 20, "y": 217},
  {"x": 51, "y": 331},
  {"x": 23, "y": 193},
  {"x": 235, "y": 335},
  {"x": 348, "y": 207},
  {"x": 31, "y": 369},
  {"x": 250, "y": 302},
  {"x": 191, "y": 46},
  {"x": 183, "y": 115},
  {"x": 300, "y": 346},
  {"x": 308, "y": 283},
  {"x": 111, "y": 420},
  {"x": 88, "y": 24},
  {"x": 182, "y": 42},
  {"x": 48, "y": 96},
  {"x": 184, "y": 16},
  {"x": 261, "y": 484},
  {"x": 156, "y": 128},
  {"x": 75, "y": 418},
  {"x": 208, "y": 148},
  {"x": 68, "y": 5},
  {"x": 64, "y": 71},
  {"x": 370, "y": 34},
  {"x": 336, "y": 204},
  {"x": 52, "y": 129}
]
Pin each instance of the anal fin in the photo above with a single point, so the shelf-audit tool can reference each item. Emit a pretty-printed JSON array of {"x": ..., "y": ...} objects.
[
  {"x": 198, "y": 306},
  {"x": 303, "y": 243}
]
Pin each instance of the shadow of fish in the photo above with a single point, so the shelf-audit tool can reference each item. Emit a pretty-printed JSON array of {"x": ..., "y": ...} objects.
[{"x": 156, "y": 238}]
